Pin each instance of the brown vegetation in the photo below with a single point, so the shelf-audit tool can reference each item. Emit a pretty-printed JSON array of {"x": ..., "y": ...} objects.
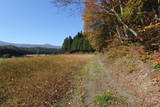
[
  {"x": 39, "y": 80},
  {"x": 136, "y": 71}
]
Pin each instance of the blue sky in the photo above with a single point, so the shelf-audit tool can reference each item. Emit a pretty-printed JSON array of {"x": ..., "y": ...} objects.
[{"x": 36, "y": 22}]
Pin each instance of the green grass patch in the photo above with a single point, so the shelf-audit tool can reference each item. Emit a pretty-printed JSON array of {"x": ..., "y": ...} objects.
[
  {"x": 107, "y": 99},
  {"x": 96, "y": 66}
]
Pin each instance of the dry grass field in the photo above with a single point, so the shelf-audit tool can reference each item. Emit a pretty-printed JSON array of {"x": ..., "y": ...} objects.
[{"x": 38, "y": 80}]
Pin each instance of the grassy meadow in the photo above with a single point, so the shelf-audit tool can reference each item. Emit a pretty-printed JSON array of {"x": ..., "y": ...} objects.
[{"x": 38, "y": 80}]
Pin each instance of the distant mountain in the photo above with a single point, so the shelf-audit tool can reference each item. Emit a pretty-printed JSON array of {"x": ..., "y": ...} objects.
[{"x": 29, "y": 45}]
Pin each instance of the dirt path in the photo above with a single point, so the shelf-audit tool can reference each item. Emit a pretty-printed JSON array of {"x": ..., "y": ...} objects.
[{"x": 96, "y": 81}]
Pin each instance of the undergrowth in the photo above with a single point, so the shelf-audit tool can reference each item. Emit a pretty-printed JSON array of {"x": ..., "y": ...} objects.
[{"x": 125, "y": 58}]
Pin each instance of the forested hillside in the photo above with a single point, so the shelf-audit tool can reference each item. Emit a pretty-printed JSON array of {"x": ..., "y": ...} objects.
[{"x": 9, "y": 51}]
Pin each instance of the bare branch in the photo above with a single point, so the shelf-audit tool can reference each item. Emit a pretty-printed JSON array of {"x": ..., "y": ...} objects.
[{"x": 108, "y": 10}]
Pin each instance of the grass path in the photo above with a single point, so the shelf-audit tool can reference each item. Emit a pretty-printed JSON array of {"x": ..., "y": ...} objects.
[{"x": 96, "y": 81}]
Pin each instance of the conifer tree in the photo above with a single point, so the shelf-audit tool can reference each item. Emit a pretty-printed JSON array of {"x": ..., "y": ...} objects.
[{"x": 78, "y": 44}]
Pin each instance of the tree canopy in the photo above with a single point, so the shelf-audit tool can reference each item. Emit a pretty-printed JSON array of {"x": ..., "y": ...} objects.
[{"x": 119, "y": 20}]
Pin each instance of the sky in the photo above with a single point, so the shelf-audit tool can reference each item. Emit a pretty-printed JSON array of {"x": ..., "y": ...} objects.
[{"x": 36, "y": 22}]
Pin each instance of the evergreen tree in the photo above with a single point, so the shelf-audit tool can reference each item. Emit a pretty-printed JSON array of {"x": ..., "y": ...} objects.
[
  {"x": 65, "y": 43},
  {"x": 78, "y": 44},
  {"x": 70, "y": 40},
  {"x": 66, "y": 47}
]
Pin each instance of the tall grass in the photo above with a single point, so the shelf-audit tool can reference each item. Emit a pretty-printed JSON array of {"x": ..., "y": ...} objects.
[{"x": 39, "y": 80}]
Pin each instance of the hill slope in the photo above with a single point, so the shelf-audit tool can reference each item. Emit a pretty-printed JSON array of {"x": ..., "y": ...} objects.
[{"x": 29, "y": 45}]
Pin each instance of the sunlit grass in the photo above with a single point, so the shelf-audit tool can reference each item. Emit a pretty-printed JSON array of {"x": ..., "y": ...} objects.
[
  {"x": 39, "y": 80},
  {"x": 108, "y": 98}
]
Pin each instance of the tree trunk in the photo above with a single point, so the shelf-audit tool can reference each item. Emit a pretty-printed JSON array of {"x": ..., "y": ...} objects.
[
  {"x": 114, "y": 13},
  {"x": 121, "y": 8},
  {"x": 121, "y": 21},
  {"x": 119, "y": 33},
  {"x": 158, "y": 10}
]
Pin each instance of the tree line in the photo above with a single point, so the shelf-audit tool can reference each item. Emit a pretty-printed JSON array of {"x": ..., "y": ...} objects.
[
  {"x": 10, "y": 51},
  {"x": 79, "y": 43},
  {"x": 116, "y": 22}
]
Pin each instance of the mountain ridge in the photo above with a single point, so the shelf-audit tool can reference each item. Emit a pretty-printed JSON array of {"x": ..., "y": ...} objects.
[{"x": 2, "y": 43}]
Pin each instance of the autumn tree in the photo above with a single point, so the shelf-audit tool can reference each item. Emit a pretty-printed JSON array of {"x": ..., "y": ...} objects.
[{"x": 122, "y": 19}]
